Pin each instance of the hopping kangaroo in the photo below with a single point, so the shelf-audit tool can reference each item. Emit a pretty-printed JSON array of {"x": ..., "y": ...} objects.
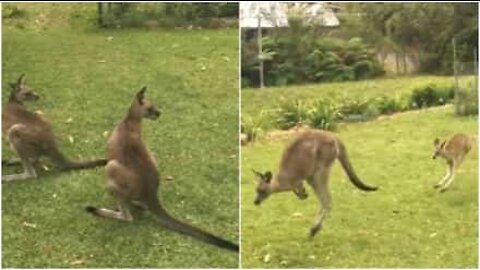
[
  {"x": 132, "y": 177},
  {"x": 31, "y": 137},
  {"x": 453, "y": 151},
  {"x": 310, "y": 156}
]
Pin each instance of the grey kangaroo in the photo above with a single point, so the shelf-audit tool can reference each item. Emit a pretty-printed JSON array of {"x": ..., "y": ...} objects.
[
  {"x": 31, "y": 137},
  {"x": 132, "y": 177},
  {"x": 453, "y": 151},
  {"x": 309, "y": 156}
]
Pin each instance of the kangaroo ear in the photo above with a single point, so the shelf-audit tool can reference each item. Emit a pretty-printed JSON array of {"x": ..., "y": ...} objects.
[
  {"x": 20, "y": 79},
  {"x": 436, "y": 141},
  {"x": 258, "y": 174},
  {"x": 268, "y": 176},
  {"x": 13, "y": 86},
  {"x": 443, "y": 143},
  {"x": 141, "y": 94}
]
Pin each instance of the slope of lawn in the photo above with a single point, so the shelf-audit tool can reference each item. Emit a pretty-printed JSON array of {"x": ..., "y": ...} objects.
[
  {"x": 87, "y": 79},
  {"x": 255, "y": 101},
  {"x": 406, "y": 223}
]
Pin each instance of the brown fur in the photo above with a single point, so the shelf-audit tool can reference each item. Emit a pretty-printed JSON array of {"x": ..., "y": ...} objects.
[
  {"x": 453, "y": 151},
  {"x": 132, "y": 177},
  {"x": 31, "y": 136},
  {"x": 310, "y": 157}
]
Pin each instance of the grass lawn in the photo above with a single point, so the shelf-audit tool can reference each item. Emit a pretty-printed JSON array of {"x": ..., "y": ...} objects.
[
  {"x": 87, "y": 79},
  {"x": 406, "y": 223},
  {"x": 255, "y": 101}
]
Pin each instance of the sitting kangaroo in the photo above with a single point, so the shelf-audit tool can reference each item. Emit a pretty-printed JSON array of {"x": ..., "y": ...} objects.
[
  {"x": 132, "y": 177},
  {"x": 453, "y": 151},
  {"x": 31, "y": 137},
  {"x": 309, "y": 156}
]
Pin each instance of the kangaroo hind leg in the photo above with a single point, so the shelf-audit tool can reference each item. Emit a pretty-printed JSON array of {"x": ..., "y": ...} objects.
[
  {"x": 319, "y": 183},
  {"x": 116, "y": 174},
  {"x": 17, "y": 137},
  {"x": 448, "y": 181},
  {"x": 447, "y": 176}
]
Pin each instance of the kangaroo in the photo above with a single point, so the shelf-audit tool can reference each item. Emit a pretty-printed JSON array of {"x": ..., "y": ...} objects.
[
  {"x": 453, "y": 151},
  {"x": 31, "y": 136},
  {"x": 309, "y": 156},
  {"x": 132, "y": 177}
]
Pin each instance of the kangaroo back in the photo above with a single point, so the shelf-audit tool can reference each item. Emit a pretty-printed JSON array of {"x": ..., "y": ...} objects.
[
  {"x": 165, "y": 219},
  {"x": 347, "y": 166}
]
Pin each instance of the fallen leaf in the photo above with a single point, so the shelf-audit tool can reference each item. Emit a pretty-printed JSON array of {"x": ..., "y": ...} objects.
[
  {"x": 312, "y": 257},
  {"x": 30, "y": 225},
  {"x": 297, "y": 214},
  {"x": 69, "y": 120},
  {"x": 77, "y": 262},
  {"x": 105, "y": 133},
  {"x": 433, "y": 235},
  {"x": 45, "y": 167},
  {"x": 169, "y": 178},
  {"x": 70, "y": 138},
  {"x": 266, "y": 258}
]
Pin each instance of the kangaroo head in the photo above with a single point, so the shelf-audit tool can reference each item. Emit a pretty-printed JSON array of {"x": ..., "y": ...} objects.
[
  {"x": 142, "y": 108},
  {"x": 263, "y": 188},
  {"x": 438, "y": 148},
  {"x": 22, "y": 92}
]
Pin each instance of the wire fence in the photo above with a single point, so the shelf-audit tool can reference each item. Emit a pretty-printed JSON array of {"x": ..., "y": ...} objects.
[{"x": 466, "y": 88}]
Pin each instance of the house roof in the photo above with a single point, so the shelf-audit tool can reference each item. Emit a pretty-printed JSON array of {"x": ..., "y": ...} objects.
[{"x": 275, "y": 14}]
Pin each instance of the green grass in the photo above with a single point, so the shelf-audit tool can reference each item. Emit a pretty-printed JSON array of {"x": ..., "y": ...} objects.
[
  {"x": 87, "y": 79},
  {"x": 406, "y": 223},
  {"x": 254, "y": 100}
]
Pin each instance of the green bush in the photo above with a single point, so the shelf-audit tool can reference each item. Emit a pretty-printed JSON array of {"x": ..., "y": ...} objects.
[
  {"x": 291, "y": 112},
  {"x": 253, "y": 127},
  {"x": 299, "y": 55},
  {"x": 431, "y": 95},
  {"x": 168, "y": 14},
  {"x": 389, "y": 105},
  {"x": 323, "y": 115},
  {"x": 358, "y": 109},
  {"x": 11, "y": 11}
]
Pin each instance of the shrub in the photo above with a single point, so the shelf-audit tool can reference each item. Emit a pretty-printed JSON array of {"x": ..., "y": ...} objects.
[
  {"x": 291, "y": 112},
  {"x": 11, "y": 11},
  {"x": 357, "y": 109},
  {"x": 323, "y": 115},
  {"x": 253, "y": 127},
  {"x": 431, "y": 95},
  {"x": 168, "y": 14},
  {"x": 299, "y": 55},
  {"x": 389, "y": 105}
]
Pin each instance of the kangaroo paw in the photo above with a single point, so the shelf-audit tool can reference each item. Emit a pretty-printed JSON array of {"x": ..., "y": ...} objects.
[
  {"x": 443, "y": 189},
  {"x": 314, "y": 231}
]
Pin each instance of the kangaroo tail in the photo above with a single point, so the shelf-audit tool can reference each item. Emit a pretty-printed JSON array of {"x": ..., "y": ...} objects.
[
  {"x": 347, "y": 166},
  {"x": 67, "y": 165},
  {"x": 171, "y": 223}
]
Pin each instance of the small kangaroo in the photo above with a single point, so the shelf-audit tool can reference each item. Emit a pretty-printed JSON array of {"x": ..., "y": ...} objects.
[
  {"x": 132, "y": 177},
  {"x": 31, "y": 136},
  {"x": 309, "y": 156},
  {"x": 453, "y": 151}
]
